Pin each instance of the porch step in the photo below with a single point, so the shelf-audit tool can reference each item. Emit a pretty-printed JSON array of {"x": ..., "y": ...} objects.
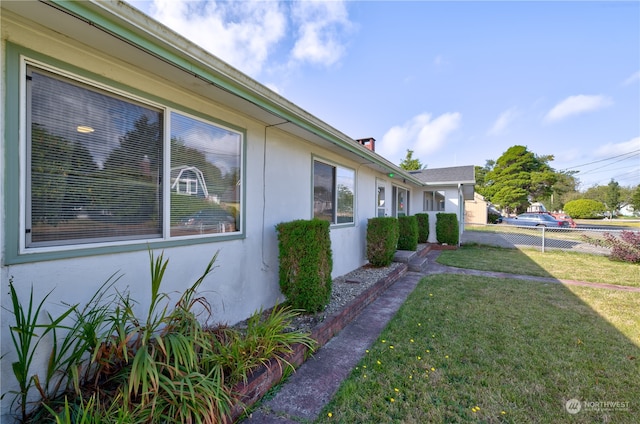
[
  {"x": 418, "y": 264},
  {"x": 416, "y": 260},
  {"x": 404, "y": 256}
]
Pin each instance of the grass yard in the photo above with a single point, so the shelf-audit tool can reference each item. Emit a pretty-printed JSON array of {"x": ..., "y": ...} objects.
[
  {"x": 477, "y": 349},
  {"x": 552, "y": 263}
]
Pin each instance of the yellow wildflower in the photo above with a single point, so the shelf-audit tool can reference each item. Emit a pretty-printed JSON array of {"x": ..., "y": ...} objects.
[{"x": 329, "y": 415}]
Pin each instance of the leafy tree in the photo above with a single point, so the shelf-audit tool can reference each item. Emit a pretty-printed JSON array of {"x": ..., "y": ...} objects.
[
  {"x": 129, "y": 186},
  {"x": 481, "y": 173},
  {"x": 518, "y": 178},
  {"x": 563, "y": 191},
  {"x": 50, "y": 165},
  {"x": 411, "y": 164},
  {"x": 612, "y": 200}
]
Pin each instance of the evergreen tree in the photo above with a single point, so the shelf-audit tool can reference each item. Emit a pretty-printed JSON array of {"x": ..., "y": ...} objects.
[
  {"x": 518, "y": 178},
  {"x": 612, "y": 197},
  {"x": 411, "y": 164}
]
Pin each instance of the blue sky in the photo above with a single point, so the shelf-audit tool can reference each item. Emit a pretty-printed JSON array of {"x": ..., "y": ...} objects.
[{"x": 456, "y": 82}]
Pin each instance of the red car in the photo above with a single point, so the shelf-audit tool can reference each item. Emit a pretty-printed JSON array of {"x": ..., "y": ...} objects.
[{"x": 565, "y": 217}]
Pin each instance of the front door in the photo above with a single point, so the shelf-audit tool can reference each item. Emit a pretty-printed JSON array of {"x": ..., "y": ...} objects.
[{"x": 401, "y": 201}]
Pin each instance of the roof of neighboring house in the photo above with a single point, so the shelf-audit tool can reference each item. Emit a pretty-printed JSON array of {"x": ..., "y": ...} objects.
[
  {"x": 452, "y": 176},
  {"x": 447, "y": 176}
]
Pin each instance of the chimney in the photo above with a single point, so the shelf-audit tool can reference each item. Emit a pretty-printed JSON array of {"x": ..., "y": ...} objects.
[{"x": 369, "y": 143}]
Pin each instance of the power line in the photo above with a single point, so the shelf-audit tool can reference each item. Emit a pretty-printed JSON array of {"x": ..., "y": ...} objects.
[
  {"x": 609, "y": 164},
  {"x": 603, "y": 160}
]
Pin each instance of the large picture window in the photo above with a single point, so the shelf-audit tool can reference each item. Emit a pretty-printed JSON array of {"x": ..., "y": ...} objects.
[
  {"x": 95, "y": 165},
  {"x": 333, "y": 193}
]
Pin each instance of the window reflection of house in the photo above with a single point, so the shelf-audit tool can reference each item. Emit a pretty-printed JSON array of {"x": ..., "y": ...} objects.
[{"x": 189, "y": 180}]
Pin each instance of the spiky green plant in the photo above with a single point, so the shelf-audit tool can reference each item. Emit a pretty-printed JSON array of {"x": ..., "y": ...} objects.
[{"x": 25, "y": 338}]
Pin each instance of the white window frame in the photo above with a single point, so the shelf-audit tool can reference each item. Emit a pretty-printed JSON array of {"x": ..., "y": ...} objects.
[
  {"x": 431, "y": 204},
  {"x": 167, "y": 110},
  {"x": 336, "y": 167}
]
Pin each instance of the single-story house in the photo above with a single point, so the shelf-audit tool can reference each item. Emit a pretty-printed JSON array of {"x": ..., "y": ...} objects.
[{"x": 103, "y": 109}]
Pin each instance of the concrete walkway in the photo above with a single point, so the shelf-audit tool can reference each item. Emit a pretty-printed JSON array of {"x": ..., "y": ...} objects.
[{"x": 303, "y": 396}]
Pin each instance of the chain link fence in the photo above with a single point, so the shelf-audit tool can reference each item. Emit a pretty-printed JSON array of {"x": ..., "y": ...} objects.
[{"x": 511, "y": 236}]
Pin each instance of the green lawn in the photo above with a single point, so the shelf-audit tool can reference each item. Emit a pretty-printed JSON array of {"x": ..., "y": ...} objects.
[
  {"x": 552, "y": 263},
  {"x": 477, "y": 349}
]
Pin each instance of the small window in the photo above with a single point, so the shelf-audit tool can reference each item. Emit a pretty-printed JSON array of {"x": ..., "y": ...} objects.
[
  {"x": 434, "y": 201},
  {"x": 333, "y": 193}
]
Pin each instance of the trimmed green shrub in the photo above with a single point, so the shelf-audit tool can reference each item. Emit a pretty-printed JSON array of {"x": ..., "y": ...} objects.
[
  {"x": 305, "y": 263},
  {"x": 447, "y": 229},
  {"x": 382, "y": 240},
  {"x": 584, "y": 208},
  {"x": 423, "y": 227},
  {"x": 408, "y": 233}
]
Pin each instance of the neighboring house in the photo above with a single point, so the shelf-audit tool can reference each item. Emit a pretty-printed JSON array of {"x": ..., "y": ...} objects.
[
  {"x": 103, "y": 107},
  {"x": 445, "y": 190},
  {"x": 189, "y": 180},
  {"x": 627, "y": 209}
]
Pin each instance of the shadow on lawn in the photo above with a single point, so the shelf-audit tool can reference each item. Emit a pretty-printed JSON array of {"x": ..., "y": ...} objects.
[{"x": 570, "y": 350}]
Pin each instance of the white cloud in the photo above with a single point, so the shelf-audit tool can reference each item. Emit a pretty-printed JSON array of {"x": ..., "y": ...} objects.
[
  {"x": 503, "y": 121},
  {"x": 633, "y": 78},
  {"x": 614, "y": 149},
  {"x": 321, "y": 25},
  {"x": 576, "y": 105},
  {"x": 248, "y": 34},
  {"x": 421, "y": 134},
  {"x": 240, "y": 33}
]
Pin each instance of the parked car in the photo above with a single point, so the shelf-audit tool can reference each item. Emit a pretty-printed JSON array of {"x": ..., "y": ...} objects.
[
  {"x": 216, "y": 220},
  {"x": 565, "y": 217},
  {"x": 536, "y": 220}
]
